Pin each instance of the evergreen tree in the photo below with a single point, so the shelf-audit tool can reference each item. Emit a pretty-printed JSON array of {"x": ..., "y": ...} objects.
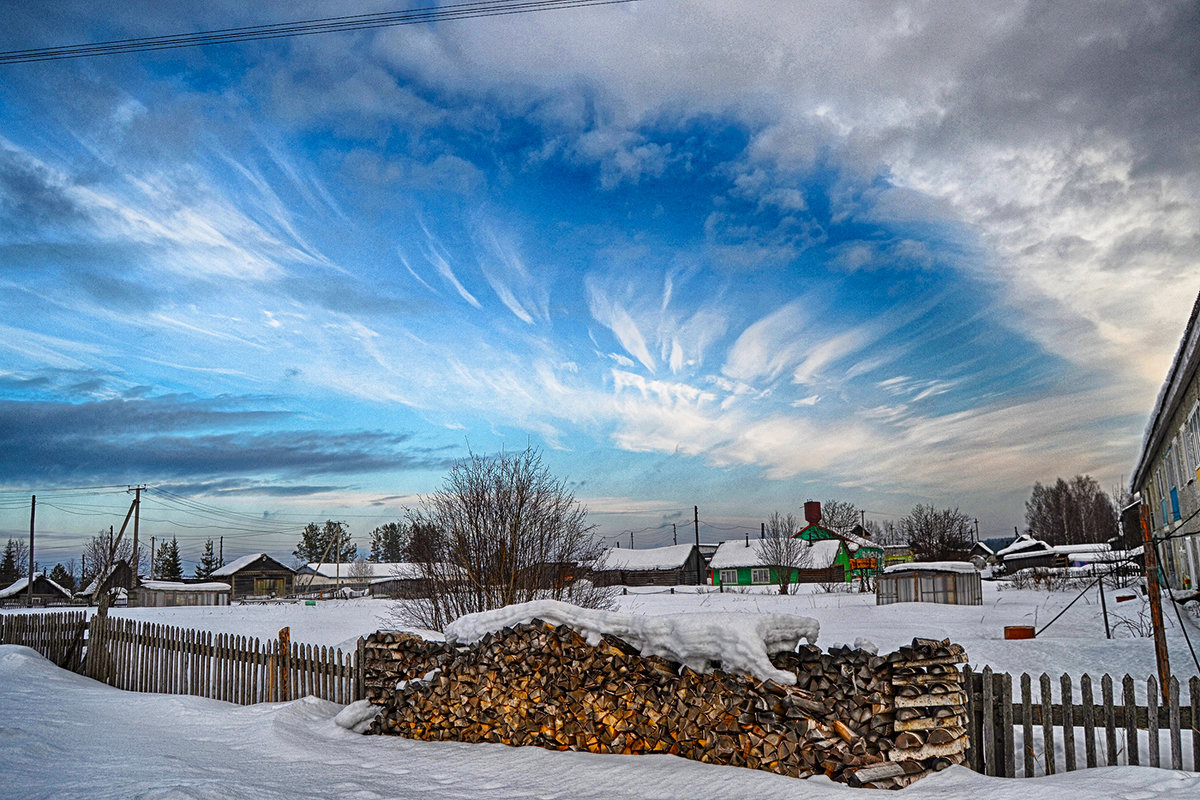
[
  {"x": 8, "y": 566},
  {"x": 388, "y": 542},
  {"x": 328, "y": 543},
  {"x": 63, "y": 577},
  {"x": 169, "y": 565},
  {"x": 208, "y": 563}
]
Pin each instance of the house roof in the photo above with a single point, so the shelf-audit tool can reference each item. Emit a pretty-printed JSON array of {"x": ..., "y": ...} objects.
[
  {"x": 1183, "y": 370},
  {"x": 739, "y": 553},
  {"x": 932, "y": 566},
  {"x": 1022, "y": 542},
  {"x": 243, "y": 562},
  {"x": 92, "y": 587},
  {"x": 19, "y": 585},
  {"x": 650, "y": 559},
  {"x": 853, "y": 540}
]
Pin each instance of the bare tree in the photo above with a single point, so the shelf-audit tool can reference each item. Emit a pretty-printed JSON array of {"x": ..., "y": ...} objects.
[
  {"x": 839, "y": 516},
  {"x": 937, "y": 534},
  {"x": 500, "y": 531},
  {"x": 780, "y": 552},
  {"x": 1071, "y": 512},
  {"x": 360, "y": 570}
]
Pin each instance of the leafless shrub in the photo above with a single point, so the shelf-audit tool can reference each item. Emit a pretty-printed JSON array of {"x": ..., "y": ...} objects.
[
  {"x": 500, "y": 531},
  {"x": 782, "y": 553}
]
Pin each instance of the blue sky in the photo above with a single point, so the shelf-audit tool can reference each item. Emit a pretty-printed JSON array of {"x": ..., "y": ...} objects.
[{"x": 734, "y": 257}]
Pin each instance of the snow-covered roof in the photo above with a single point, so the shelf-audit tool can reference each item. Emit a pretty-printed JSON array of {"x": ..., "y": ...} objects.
[
  {"x": 239, "y": 564},
  {"x": 1173, "y": 392},
  {"x": 983, "y": 546},
  {"x": 177, "y": 586},
  {"x": 1023, "y": 542},
  {"x": 932, "y": 566},
  {"x": 855, "y": 541},
  {"x": 373, "y": 569},
  {"x": 740, "y": 642},
  {"x": 672, "y": 556},
  {"x": 21, "y": 584},
  {"x": 739, "y": 553}
]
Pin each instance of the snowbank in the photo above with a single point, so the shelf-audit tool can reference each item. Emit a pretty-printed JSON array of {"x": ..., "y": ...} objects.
[{"x": 741, "y": 642}]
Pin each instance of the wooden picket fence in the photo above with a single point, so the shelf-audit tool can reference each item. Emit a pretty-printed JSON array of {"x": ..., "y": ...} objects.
[
  {"x": 1113, "y": 732},
  {"x": 146, "y": 657}
]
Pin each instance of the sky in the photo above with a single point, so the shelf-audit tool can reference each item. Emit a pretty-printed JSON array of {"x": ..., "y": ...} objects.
[{"x": 731, "y": 256}]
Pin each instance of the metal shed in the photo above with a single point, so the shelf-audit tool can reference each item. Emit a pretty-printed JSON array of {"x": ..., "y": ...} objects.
[{"x": 949, "y": 582}]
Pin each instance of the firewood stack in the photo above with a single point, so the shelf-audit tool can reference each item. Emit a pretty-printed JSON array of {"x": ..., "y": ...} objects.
[
  {"x": 929, "y": 720},
  {"x": 537, "y": 684}
]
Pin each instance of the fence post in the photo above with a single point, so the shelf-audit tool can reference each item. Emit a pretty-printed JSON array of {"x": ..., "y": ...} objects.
[
  {"x": 1068, "y": 723},
  {"x": 285, "y": 663},
  {"x": 1129, "y": 706},
  {"x": 1027, "y": 723},
  {"x": 1152, "y": 719},
  {"x": 1006, "y": 717},
  {"x": 360, "y": 670},
  {"x": 1048, "y": 750},
  {"x": 1089, "y": 720}
]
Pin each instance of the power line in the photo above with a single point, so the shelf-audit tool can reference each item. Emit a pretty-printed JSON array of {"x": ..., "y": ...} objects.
[{"x": 281, "y": 30}]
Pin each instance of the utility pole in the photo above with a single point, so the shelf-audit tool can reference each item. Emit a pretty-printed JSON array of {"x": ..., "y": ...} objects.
[
  {"x": 674, "y": 534},
  {"x": 137, "y": 513},
  {"x": 32, "y": 514},
  {"x": 699, "y": 561},
  {"x": 1156, "y": 620},
  {"x": 631, "y": 540},
  {"x": 977, "y": 529},
  {"x": 762, "y": 530},
  {"x": 153, "y": 553},
  {"x": 222, "y": 551}
]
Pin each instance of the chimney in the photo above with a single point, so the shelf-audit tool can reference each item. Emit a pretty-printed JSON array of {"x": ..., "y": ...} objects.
[
  {"x": 812, "y": 512},
  {"x": 747, "y": 540}
]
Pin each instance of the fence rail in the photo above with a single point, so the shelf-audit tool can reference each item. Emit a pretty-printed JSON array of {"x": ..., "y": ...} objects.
[
  {"x": 1008, "y": 727},
  {"x": 147, "y": 657}
]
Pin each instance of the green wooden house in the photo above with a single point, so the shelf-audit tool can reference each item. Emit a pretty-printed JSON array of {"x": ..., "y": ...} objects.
[
  {"x": 737, "y": 563},
  {"x": 863, "y": 556}
]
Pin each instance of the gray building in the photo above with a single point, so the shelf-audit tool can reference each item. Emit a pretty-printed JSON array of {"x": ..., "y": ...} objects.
[{"x": 1167, "y": 474}]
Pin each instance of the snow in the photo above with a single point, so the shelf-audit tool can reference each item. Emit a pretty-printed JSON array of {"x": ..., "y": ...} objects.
[
  {"x": 739, "y": 553},
  {"x": 739, "y": 642},
  {"x": 234, "y": 566},
  {"x": 19, "y": 585},
  {"x": 67, "y": 736},
  {"x": 175, "y": 586},
  {"x": 669, "y": 557},
  {"x": 938, "y": 566},
  {"x": 371, "y": 569},
  {"x": 1022, "y": 542}
]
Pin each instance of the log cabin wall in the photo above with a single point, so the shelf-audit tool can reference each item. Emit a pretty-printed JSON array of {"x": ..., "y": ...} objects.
[{"x": 865, "y": 719}]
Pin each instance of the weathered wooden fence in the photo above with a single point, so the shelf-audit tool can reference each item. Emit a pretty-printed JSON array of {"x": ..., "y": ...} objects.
[
  {"x": 145, "y": 657},
  {"x": 1045, "y": 737}
]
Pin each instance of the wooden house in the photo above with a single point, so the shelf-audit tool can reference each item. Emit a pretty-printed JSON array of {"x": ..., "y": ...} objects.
[
  {"x": 740, "y": 563},
  {"x": 864, "y": 556},
  {"x": 257, "y": 575},
  {"x": 673, "y": 565},
  {"x": 158, "y": 594},
  {"x": 45, "y": 592},
  {"x": 947, "y": 582}
]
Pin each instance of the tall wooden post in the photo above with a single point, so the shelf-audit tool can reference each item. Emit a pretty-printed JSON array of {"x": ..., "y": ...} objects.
[
  {"x": 1156, "y": 619},
  {"x": 285, "y": 664},
  {"x": 137, "y": 513},
  {"x": 699, "y": 561},
  {"x": 32, "y": 514}
]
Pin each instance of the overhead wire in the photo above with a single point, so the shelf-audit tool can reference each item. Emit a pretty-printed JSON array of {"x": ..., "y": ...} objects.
[{"x": 280, "y": 30}]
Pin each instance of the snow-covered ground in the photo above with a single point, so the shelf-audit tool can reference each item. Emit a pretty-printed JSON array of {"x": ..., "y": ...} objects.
[
  {"x": 1074, "y": 644},
  {"x": 62, "y": 735}
]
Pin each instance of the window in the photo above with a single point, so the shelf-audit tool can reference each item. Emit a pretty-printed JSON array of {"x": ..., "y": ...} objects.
[
  {"x": 760, "y": 575},
  {"x": 728, "y": 576}
]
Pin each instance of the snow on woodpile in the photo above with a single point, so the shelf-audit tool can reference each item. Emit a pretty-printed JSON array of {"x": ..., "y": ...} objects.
[
  {"x": 739, "y": 642},
  {"x": 654, "y": 558},
  {"x": 932, "y": 566}
]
